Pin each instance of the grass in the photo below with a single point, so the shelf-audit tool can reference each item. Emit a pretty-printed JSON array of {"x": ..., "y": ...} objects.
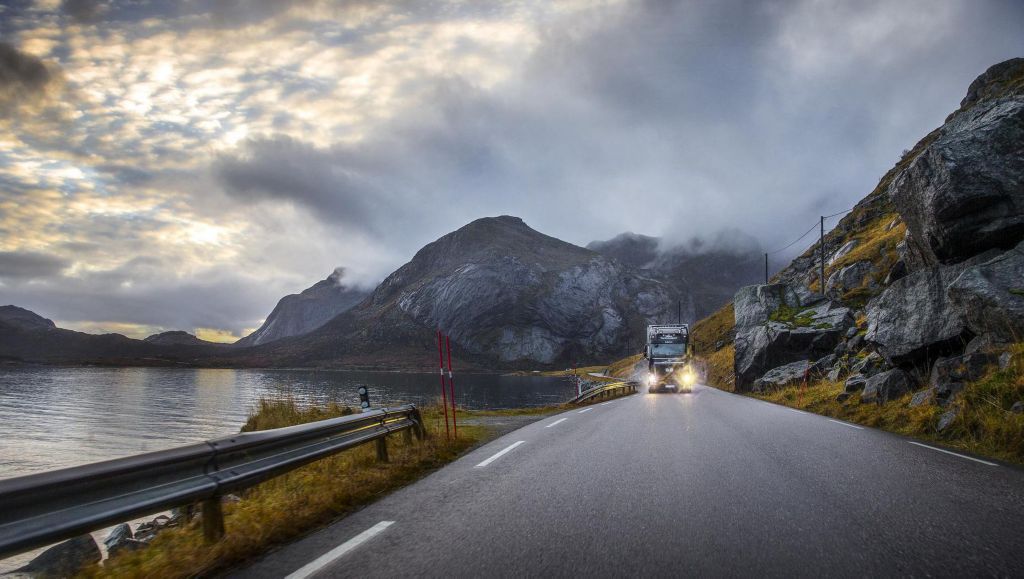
[
  {"x": 291, "y": 505},
  {"x": 713, "y": 330},
  {"x": 984, "y": 425}
]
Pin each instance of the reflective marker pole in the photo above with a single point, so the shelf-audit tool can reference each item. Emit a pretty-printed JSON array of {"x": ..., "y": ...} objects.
[
  {"x": 444, "y": 396},
  {"x": 451, "y": 385}
]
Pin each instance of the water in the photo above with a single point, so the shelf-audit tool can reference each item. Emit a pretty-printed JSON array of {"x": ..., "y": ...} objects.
[{"x": 58, "y": 417}]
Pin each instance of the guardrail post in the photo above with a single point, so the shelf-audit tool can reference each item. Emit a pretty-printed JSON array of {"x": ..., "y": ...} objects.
[
  {"x": 213, "y": 520},
  {"x": 382, "y": 449},
  {"x": 407, "y": 435},
  {"x": 419, "y": 431}
]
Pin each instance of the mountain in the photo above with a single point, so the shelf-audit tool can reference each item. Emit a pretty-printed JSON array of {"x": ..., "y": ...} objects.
[
  {"x": 178, "y": 338},
  {"x": 922, "y": 279},
  {"x": 301, "y": 313},
  {"x": 509, "y": 297},
  {"x": 704, "y": 274},
  {"x": 15, "y": 318}
]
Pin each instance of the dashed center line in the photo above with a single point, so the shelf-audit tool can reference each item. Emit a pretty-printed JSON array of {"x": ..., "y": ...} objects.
[
  {"x": 335, "y": 553},
  {"x": 560, "y": 420},
  {"x": 499, "y": 454},
  {"x": 846, "y": 424},
  {"x": 585, "y": 410},
  {"x": 953, "y": 453}
]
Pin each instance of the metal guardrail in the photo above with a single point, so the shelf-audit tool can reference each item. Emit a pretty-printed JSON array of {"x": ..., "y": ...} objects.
[
  {"x": 605, "y": 390},
  {"x": 41, "y": 509}
]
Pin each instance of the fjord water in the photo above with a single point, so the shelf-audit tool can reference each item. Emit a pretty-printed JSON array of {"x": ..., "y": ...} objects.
[{"x": 58, "y": 417}]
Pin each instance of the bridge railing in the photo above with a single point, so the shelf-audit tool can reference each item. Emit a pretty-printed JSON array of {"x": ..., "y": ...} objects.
[
  {"x": 609, "y": 389},
  {"x": 41, "y": 509}
]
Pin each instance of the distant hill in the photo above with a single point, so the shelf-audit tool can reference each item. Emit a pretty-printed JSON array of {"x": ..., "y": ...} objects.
[
  {"x": 13, "y": 317},
  {"x": 508, "y": 295},
  {"x": 705, "y": 274},
  {"x": 178, "y": 338},
  {"x": 301, "y": 313}
]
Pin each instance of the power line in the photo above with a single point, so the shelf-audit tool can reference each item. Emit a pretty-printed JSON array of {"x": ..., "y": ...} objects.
[{"x": 794, "y": 242}]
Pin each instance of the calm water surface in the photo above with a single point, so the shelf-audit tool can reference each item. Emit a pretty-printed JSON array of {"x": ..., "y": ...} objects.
[{"x": 58, "y": 417}]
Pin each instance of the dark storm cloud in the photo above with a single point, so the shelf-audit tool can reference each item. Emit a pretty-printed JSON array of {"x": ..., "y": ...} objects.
[
  {"x": 20, "y": 265},
  {"x": 23, "y": 77}
]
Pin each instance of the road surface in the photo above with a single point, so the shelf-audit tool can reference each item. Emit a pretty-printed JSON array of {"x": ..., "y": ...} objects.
[{"x": 701, "y": 484}]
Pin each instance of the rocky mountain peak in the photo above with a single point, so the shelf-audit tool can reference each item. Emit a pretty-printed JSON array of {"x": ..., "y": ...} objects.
[
  {"x": 23, "y": 319},
  {"x": 998, "y": 79}
]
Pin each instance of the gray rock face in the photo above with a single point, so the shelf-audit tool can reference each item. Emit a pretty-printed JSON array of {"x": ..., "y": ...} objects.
[
  {"x": 991, "y": 296},
  {"x": 763, "y": 344},
  {"x": 964, "y": 193},
  {"x": 782, "y": 376},
  {"x": 926, "y": 396},
  {"x": 301, "y": 313},
  {"x": 849, "y": 277},
  {"x": 855, "y": 383},
  {"x": 64, "y": 559},
  {"x": 914, "y": 317},
  {"x": 947, "y": 419},
  {"x": 885, "y": 386},
  {"x": 869, "y": 366}
]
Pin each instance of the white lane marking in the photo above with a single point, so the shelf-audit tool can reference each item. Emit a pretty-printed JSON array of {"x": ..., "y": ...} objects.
[
  {"x": 954, "y": 453},
  {"x": 795, "y": 410},
  {"x": 846, "y": 424},
  {"x": 556, "y": 422},
  {"x": 585, "y": 410},
  {"x": 500, "y": 454},
  {"x": 332, "y": 555},
  {"x": 606, "y": 403}
]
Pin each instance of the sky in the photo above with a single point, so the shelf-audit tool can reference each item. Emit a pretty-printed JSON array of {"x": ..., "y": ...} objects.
[{"x": 183, "y": 165}]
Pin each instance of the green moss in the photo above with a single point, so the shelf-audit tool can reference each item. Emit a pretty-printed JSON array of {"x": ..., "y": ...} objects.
[
  {"x": 1017, "y": 292},
  {"x": 794, "y": 317}
]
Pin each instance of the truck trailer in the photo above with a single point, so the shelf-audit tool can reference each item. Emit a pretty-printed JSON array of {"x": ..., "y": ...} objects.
[{"x": 669, "y": 364}]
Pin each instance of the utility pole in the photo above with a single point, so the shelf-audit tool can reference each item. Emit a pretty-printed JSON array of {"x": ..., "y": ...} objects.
[
  {"x": 679, "y": 311},
  {"x": 821, "y": 244},
  {"x": 766, "y": 269}
]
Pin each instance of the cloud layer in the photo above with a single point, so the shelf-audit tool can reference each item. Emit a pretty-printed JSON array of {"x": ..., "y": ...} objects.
[{"x": 187, "y": 164}]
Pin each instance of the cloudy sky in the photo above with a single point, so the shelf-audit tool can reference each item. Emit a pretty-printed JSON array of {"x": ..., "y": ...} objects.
[{"x": 182, "y": 165}]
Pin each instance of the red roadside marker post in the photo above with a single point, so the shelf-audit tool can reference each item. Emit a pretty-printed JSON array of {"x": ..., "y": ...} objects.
[
  {"x": 444, "y": 396},
  {"x": 451, "y": 385}
]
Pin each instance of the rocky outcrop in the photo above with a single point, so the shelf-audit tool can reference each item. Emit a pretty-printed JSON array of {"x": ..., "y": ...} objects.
[
  {"x": 990, "y": 296},
  {"x": 65, "y": 559},
  {"x": 301, "y": 313},
  {"x": 782, "y": 376},
  {"x": 885, "y": 386},
  {"x": 775, "y": 327},
  {"x": 964, "y": 193}
]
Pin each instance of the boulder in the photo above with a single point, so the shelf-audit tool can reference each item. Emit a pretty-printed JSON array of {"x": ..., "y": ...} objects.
[
  {"x": 869, "y": 366},
  {"x": 991, "y": 296},
  {"x": 947, "y": 419},
  {"x": 885, "y": 386},
  {"x": 836, "y": 371},
  {"x": 855, "y": 383},
  {"x": 1005, "y": 359},
  {"x": 855, "y": 343},
  {"x": 842, "y": 251},
  {"x": 823, "y": 365},
  {"x": 914, "y": 319},
  {"x": 843, "y": 396},
  {"x": 850, "y": 277},
  {"x": 755, "y": 303},
  {"x": 1018, "y": 407},
  {"x": 964, "y": 192},
  {"x": 782, "y": 376},
  {"x": 926, "y": 396},
  {"x": 64, "y": 559},
  {"x": 966, "y": 368},
  {"x": 775, "y": 326}
]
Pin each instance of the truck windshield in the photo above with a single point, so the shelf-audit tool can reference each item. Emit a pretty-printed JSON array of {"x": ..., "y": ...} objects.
[{"x": 667, "y": 350}]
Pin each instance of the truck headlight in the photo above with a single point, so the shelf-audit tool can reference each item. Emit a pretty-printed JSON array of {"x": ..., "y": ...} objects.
[
  {"x": 689, "y": 377},
  {"x": 652, "y": 379}
]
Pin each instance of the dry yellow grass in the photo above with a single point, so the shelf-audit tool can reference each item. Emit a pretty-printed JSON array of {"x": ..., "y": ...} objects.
[
  {"x": 719, "y": 368},
  {"x": 984, "y": 425},
  {"x": 296, "y": 503}
]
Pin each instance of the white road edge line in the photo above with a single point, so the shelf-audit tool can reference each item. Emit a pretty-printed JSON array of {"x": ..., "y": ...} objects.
[
  {"x": 499, "y": 454},
  {"x": 846, "y": 424},
  {"x": 606, "y": 403},
  {"x": 795, "y": 410},
  {"x": 332, "y": 555},
  {"x": 585, "y": 410},
  {"x": 556, "y": 422},
  {"x": 953, "y": 453}
]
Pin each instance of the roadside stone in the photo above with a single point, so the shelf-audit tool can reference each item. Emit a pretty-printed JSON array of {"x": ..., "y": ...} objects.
[
  {"x": 851, "y": 332},
  {"x": 1018, "y": 407},
  {"x": 869, "y": 366},
  {"x": 885, "y": 386},
  {"x": 1005, "y": 359},
  {"x": 991, "y": 295},
  {"x": 843, "y": 396},
  {"x": 947, "y": 419},
  {"x": 121, "y": 538},
  {"x": 966, "y": 368},
  {"x": 835, "y": 372},
  {"x": 65, "y": 559},
  {"x": 926, "y": 396},
  {"x": 855, "y": 383},
  {"x": 823, "y": 365},
  {"x": 782, "y": 376},
  {"x": 856, "y": 343}
]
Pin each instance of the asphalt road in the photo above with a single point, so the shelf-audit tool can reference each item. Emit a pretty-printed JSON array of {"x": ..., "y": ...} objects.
[{"x": 701, "y": 484}]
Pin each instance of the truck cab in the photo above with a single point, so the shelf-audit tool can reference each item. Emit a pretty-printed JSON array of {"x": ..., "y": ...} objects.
[{"x": 669, "y": 367}]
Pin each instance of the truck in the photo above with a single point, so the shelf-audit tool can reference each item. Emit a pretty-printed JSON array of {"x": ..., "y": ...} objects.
[{"x": 669, "y": 364}]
